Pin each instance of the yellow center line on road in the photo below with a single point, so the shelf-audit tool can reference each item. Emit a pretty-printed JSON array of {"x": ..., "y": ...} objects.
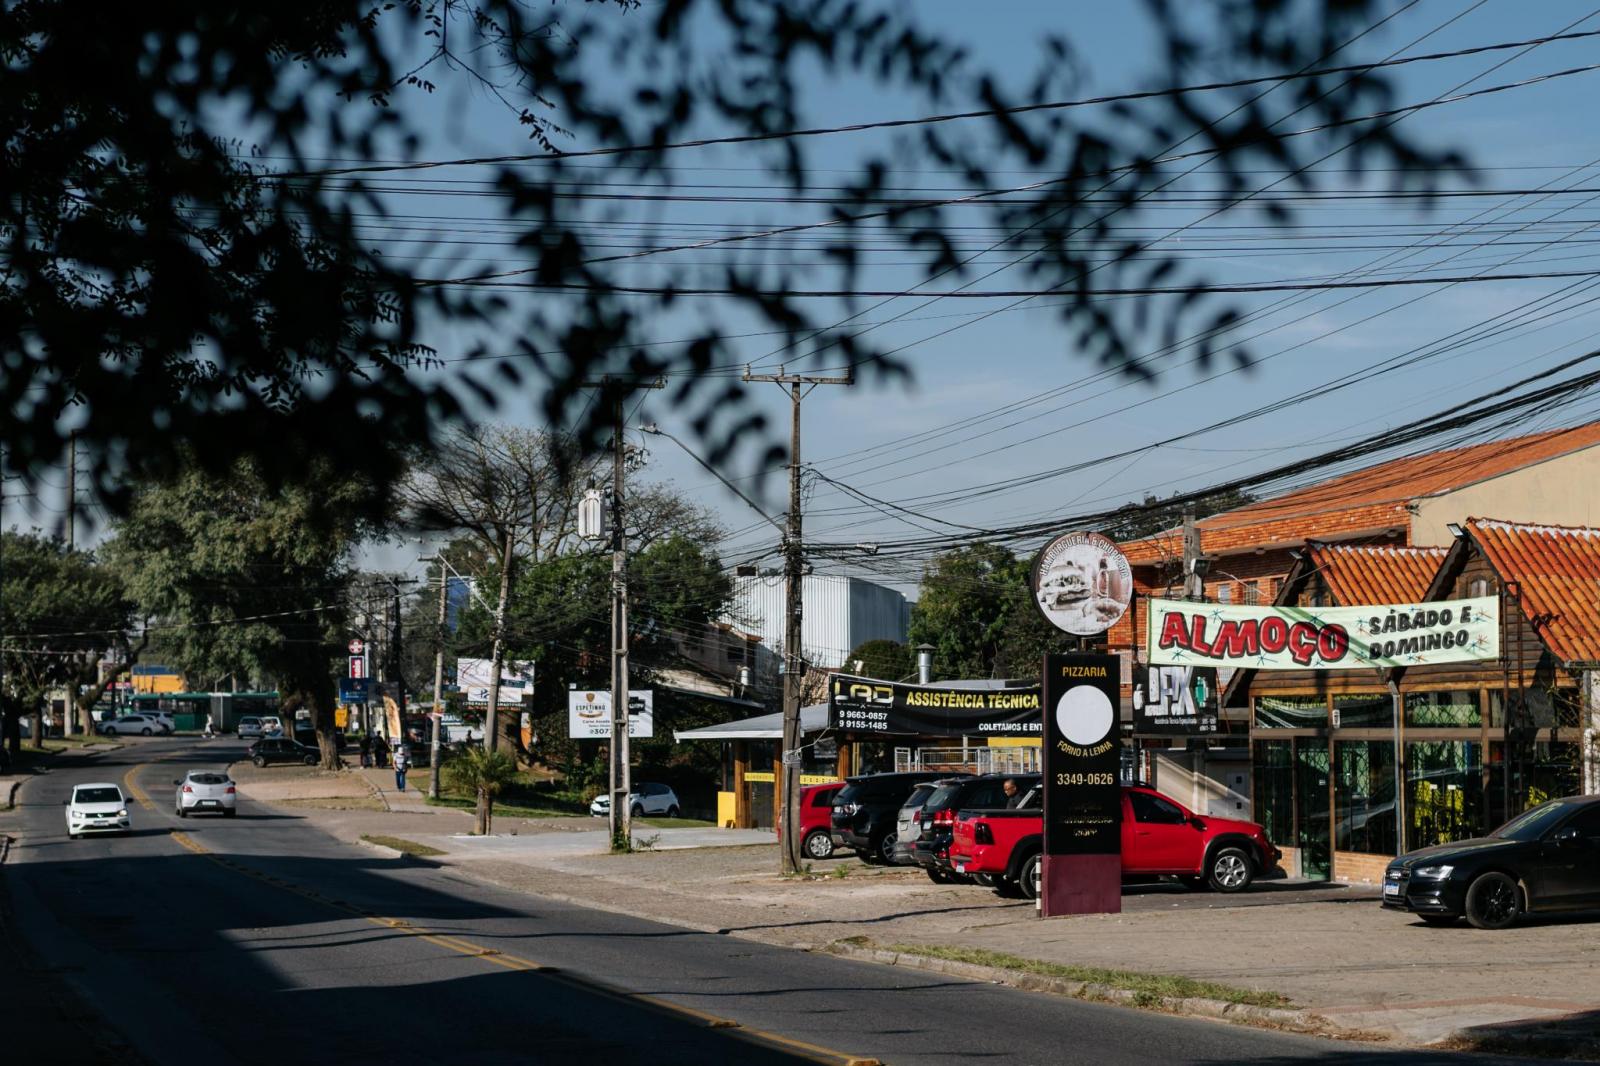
[{"x": 460, "y": 946}]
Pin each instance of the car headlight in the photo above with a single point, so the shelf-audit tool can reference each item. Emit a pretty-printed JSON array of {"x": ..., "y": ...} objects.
[
  {"x": 1432, "y": 873},
  {"x": 122, "y": 813}
]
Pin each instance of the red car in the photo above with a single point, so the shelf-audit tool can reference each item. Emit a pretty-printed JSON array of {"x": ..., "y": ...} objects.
[
  {"x": 816, "y": 812},
  {"x": 1160, "y": 837}
]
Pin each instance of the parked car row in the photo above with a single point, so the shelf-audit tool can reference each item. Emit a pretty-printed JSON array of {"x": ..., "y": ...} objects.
[{"x": 989, "y": 829}]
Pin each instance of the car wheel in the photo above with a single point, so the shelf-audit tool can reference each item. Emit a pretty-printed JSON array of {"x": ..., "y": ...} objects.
[
  {"x": 71, "y": 835},
  {"x": 1439, "y": 919},
  {"x": 986, "y": 880},
  {"x": 310, "y": 760},
  {"x": 229, "y": 812},
  {"x": 937, "y": 876},
  {"x": 1229, "y": 870},
  {"x": 817, "y": 844},
  {"x": 182, "y": 813},
  {"x": 259, "y": 761},
  {"x": 864, "y": 856},
  {"x": 145, "y": 731},
  {"x": 637, "y": 811},
  {"x": 1493, "y": 901},
  {"x": 672, "y": 812},
  {"x": 885, "y": 849},
  {"x": 1028, "y": 877}
]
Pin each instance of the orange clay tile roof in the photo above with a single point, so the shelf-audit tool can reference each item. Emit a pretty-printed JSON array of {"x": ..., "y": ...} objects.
[
  {"x": 1558, "y": 571},
  {"x": 1366, "y": 501},
  {"x": 1358, "y": 575}
]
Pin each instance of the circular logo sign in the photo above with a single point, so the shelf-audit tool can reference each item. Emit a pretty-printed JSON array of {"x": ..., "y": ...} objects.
[
  {"x": 357, "y": 646},
  {"x": 1084, "y": 715},
  {"x": 1082, "y": 582}
]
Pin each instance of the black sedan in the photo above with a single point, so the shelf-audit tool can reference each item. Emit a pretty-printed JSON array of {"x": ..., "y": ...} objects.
[
  {"x": 1545, "y": 859},
  {"x": 282, "y": 749}
]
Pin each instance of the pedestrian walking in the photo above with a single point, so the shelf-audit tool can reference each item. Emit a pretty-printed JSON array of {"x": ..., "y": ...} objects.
[
  {"x": 211, "y": 727},
  {"x": 402, "y": 763},
  {"x": 366, "y": 750}
]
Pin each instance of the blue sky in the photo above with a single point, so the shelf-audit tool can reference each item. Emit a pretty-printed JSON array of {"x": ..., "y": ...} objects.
[{"x": 1521, "y": 139}]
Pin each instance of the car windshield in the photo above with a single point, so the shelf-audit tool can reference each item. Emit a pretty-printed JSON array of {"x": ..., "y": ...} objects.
[
  {"x": 97, "y": 795},
  {"x": 943, "y": 796},
  {"x": 918, "y": 796},
  {"x": 1532, "y": 825}
]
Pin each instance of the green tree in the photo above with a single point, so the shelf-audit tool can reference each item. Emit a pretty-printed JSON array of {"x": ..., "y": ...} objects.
[
  {"x": 483, "y": 773},
  {"x": 968, "y": 600},
  {"x": 172, "y": 284},
  {"x": 61, "y": 613},
  {"x": 243, "y": 577},
  {"x": 888, "y": 660}
]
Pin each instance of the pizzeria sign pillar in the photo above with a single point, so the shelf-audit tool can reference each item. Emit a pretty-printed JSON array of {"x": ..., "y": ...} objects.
[{"x": 1082, "y": 585}]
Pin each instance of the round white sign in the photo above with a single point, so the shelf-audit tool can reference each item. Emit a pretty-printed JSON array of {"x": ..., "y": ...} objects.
[
  {"x": 1082, "y": 583},
  {"x": 1085, "y": 716}
]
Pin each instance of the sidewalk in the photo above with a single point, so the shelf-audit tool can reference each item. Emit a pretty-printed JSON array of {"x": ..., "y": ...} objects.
[{"x": 1346, "y": 963}]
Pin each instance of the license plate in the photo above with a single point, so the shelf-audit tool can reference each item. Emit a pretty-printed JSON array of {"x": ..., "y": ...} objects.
[
  {"x": 961, "y": 867},
  {"x": 210, "y": 803},
  {"x": 1391, "y": 890}
]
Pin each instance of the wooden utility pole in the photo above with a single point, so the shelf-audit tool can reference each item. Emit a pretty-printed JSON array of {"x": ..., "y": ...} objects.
[
  {"x": 438, "y": 683},
  {"x": 787, "y": 768}
]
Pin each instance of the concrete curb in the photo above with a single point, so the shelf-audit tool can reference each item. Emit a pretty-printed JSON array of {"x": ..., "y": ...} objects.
[
  {"x": 1275, "y": 1017},
  {"x": 5, "y": 848},
  {"x": 11, "y": 795}
]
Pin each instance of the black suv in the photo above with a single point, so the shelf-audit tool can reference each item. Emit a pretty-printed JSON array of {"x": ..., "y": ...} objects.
[
  {"x": 985, "y": 793},
  {"x": 282, "y": 749},
  {"x": 1544, "y": 859},
  {"x": 864, "y": 811}
]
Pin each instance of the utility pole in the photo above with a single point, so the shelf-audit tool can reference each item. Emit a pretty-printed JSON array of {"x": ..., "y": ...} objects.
[
  {"x": 438, "y": 683},
  {"x": 72, "y": 491},
  {"x": 1194, "y": 576},
  {"x": 621, "y": 754},
  {"x": 491, "y": 717},
  {"x": 789, "y": 761}
]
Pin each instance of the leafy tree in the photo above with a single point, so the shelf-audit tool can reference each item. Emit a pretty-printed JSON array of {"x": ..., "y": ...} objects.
[
  {"x": 164, "y": 279},
  {"x": 248, "y": 578},
  {"x": 61, "y": 613},
  {"x": 966, "y": 603},
  {"x": 888, "y": 660},
  {"x": 483, "y": 773}
]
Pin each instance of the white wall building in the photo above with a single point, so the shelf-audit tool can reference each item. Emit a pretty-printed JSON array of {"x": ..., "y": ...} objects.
[{"x": 838, "y": 614}]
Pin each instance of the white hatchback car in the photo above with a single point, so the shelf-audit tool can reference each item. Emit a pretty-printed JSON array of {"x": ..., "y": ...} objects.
[
  {"x": 645, "y": 799},
  {"x": 98, "y": 807},
  {"x": 205, "y": 790}
]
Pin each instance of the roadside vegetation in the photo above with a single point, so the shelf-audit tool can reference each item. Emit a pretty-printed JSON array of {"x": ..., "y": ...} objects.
[
  {"x": 409, "y": 848},
  {"x": 1157, "y": 986}
]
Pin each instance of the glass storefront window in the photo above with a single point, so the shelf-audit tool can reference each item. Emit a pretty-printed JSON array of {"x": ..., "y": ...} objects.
[
  {"x": 1364, "y": 711},
  {"x": 1444, "y": 792},
  {"x": 1537, "y": 772},
  {"x": 1274, "y": 787},
  {"x": 1443, "y": 709},
  {"x": 1363, "y": 796},
  {"x": 1291, "y": 712}
]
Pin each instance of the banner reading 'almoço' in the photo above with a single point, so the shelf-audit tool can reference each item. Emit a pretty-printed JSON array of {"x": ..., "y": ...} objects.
[{"x": 1323, "y": 638}]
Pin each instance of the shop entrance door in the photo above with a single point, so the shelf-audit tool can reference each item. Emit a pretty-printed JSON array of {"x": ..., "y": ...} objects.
[{"x": 1311, "y": 768}]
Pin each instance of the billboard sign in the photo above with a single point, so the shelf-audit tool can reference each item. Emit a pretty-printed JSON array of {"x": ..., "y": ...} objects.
[
  {"x": 589, "y": 714},
  {"x": 1082, "y": 785},
  {"x": 352, "y": 690},
  {"x": 1175, "y": 700},
  {"x": 1323, "y": 638},
  {"x": 473, "y": 676},
  {"x": 1082, "y": 583},
  {"x": 868, "y": 705}
]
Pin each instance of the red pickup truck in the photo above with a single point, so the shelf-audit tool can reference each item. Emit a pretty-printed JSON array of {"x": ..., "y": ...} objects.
[{"x": 1159, "y": 837}]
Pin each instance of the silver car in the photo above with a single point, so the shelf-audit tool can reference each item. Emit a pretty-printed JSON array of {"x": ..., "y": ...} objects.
[
  {"x": 205, "y": 790},
  {"x": 908, "y": 824}
]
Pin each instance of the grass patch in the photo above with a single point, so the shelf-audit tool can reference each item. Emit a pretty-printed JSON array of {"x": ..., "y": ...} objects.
[
  {"x": 502, "y": 808},
  {"x": 407, "y": 847},
  {"x": 335, "y": 803},
  {"x": 1148, "y": 988},
  {"x": 674, "y": 823}
]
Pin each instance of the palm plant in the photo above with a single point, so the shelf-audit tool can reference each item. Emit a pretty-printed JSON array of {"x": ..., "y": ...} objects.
[{"x": 483, "y": 773}]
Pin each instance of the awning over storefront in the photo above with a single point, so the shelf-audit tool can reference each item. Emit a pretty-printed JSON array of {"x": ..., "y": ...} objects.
[{"x": 813, "y": 719}]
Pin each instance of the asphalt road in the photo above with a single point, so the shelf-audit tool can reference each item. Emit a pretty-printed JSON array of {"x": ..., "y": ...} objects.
[{"x": 261, "y": 940}]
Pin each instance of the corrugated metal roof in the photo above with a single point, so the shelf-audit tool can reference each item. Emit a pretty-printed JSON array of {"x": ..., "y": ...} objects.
[
  {"x": 1360, "y": 574},
  {"x": 1557, "y": 571}
]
